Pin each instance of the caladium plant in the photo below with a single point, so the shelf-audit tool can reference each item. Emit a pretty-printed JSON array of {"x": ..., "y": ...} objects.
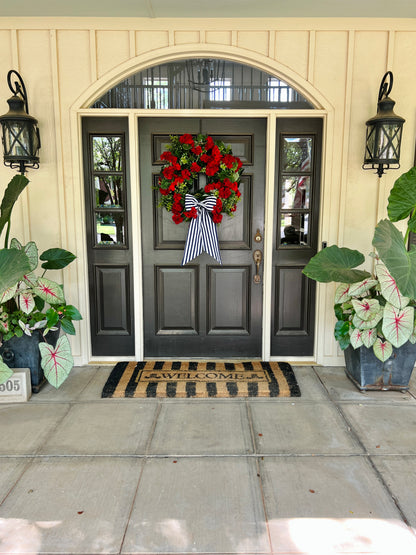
[
  {"x": 378, "y": 309},
  {"x": 31, "y": 303},
  {"x": 38, "y": 303}
]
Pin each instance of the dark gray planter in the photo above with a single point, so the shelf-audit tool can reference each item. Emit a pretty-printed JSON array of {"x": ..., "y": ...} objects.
[
  {"x": 367, "y": 372},
  {"x": 23, "y": 352}
]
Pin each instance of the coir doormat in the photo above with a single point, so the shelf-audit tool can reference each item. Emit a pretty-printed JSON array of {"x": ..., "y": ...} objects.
[{"x": 201, "y": 380}]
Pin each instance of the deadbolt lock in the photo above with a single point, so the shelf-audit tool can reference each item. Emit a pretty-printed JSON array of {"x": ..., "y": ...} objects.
[{"x": 258, "y": 238}]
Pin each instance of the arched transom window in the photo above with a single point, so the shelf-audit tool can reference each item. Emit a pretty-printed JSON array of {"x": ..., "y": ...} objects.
[{"x": 202, "y": 83}]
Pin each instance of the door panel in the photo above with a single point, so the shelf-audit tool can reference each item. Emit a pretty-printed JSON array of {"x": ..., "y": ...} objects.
[
  {"x": 297, "y": 200},
  {"x": 106, "y": 182},
  {"x": 203, "y": 309}
]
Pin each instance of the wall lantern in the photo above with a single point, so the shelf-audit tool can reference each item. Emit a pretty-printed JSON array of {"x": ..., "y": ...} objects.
[
  {"x": 384, "y": 132},
  {"x": 20, "y": 133}
]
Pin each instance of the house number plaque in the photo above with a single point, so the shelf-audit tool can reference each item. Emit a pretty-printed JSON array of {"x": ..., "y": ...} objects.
[{"x": 16, "y": 389}]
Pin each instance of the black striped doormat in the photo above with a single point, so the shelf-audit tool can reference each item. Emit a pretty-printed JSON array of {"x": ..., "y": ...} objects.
[{"x": 201, "y": 380}]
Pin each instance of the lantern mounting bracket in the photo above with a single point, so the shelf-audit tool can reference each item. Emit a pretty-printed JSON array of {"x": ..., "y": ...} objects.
[{"x": 18, "y": 88}]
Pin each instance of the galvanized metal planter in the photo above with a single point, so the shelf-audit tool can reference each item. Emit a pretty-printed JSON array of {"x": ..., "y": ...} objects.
[
  {"x": 367, "y": 372},
  {"x": 23, "y": 352}
]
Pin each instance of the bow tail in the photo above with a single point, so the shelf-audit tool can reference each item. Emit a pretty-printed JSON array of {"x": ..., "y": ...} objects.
[
  {"x": 193, "y": 246},
  {"x": 202, "y": 237}
]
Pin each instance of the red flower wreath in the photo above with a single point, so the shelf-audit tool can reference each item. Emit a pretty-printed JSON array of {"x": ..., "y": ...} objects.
[{"x": 185, "y": 159}]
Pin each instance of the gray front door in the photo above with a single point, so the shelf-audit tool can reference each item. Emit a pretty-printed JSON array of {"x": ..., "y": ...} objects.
[{"x": 203, "y": 309}]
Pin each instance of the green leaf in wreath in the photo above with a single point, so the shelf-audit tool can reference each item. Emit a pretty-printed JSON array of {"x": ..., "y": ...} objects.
[
  {"x": 336, "y": 264},
  {"x": 401, "y": 264}
]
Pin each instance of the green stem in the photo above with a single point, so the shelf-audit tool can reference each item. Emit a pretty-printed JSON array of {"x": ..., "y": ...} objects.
[{"x": 406, "y": 237}]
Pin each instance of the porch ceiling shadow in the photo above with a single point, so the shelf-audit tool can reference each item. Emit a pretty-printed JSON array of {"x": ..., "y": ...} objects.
[{"x": 214, "y": 8}]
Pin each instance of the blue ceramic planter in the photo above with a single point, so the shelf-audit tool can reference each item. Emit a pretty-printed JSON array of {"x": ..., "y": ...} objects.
[{"x": 369, "y": 373}]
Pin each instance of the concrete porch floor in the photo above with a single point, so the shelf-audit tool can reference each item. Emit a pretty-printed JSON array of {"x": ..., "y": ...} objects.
[{"x": 330, "y": 472}]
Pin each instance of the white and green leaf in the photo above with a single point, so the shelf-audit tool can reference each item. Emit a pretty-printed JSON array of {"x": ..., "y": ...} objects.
[
  {"x": 366, "y": 309},
  {"x": 362, "y": 287},
  {"x": 8, "y": 294},
  {"x": 398, "y": 324},
  {"x": 5, "y": 372},
  {"x": 356, "y": 338},
  {"x": 389, "y": 288},
  {"x": 369, "y": 337},
  {"x": 26, "y": 302},
  {"x": 49, "y": 291},
  {"x": 367, "y": 324},
  {"x": 382, "y": 349},
  {"x": 56, "y": 361},
  {"x": 342, "y": 293}
]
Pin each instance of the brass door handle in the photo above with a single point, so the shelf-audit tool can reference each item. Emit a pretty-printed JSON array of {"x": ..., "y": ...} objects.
[{"x": 257, "y": 257}]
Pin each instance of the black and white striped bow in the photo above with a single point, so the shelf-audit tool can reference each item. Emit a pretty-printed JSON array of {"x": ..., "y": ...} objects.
[{"x": 202, "y": 233}]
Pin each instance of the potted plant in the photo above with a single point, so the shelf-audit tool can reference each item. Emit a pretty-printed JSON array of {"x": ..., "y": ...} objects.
[
  {"x": 376, "y": 310},
  {"x": 33, "y": 310}
]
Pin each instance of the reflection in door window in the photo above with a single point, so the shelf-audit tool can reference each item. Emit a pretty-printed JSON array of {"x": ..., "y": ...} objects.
[
  {"x": 107, "y": 189},
  {"x": 202, "y": 83},
  {"x": 110, "y": 228},
  {"x": 220, "y": 90},
  {"x": 106, "y": 153},
  {"x": 295, "y": 178},
  {"x": 294, "y": 229},
  {"x": 155, "y": 93}
]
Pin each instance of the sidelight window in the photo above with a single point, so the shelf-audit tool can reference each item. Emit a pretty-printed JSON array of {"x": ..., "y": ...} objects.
[{"x": 108, "y": 184}]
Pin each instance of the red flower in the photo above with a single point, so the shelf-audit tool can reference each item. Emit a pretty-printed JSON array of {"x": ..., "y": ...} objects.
[
  {"x": 195, "y": 167},
  {"x": 169, "y": 157},
  {"x": 209, "y": 187},
  {"x": 233, "y": 208},
  {"x": 211, "y": 169},
  {"x": 176, "y": 208},
  {"x": 209, "y": 143},
  {"x": 225, "y": 192},
  {"x": 177, "y": 218},
  {"x": 205, "y": 158},
  {"x": 186, "y": 174},
  {"x": 218, "y": 206},
  {"x": 177, "y": 197},
  {"x": 229, "y": 161},
  {"x": 196, "y": 150},
  {"x": 186, "y": 139},
  {"x": 169, "y": 172},
  {"x": 216, "y": 154},
  {"x": 216, "y": 218},
  {"x": 192, "y": 213},
  {"x": 164, "y": 192}
]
